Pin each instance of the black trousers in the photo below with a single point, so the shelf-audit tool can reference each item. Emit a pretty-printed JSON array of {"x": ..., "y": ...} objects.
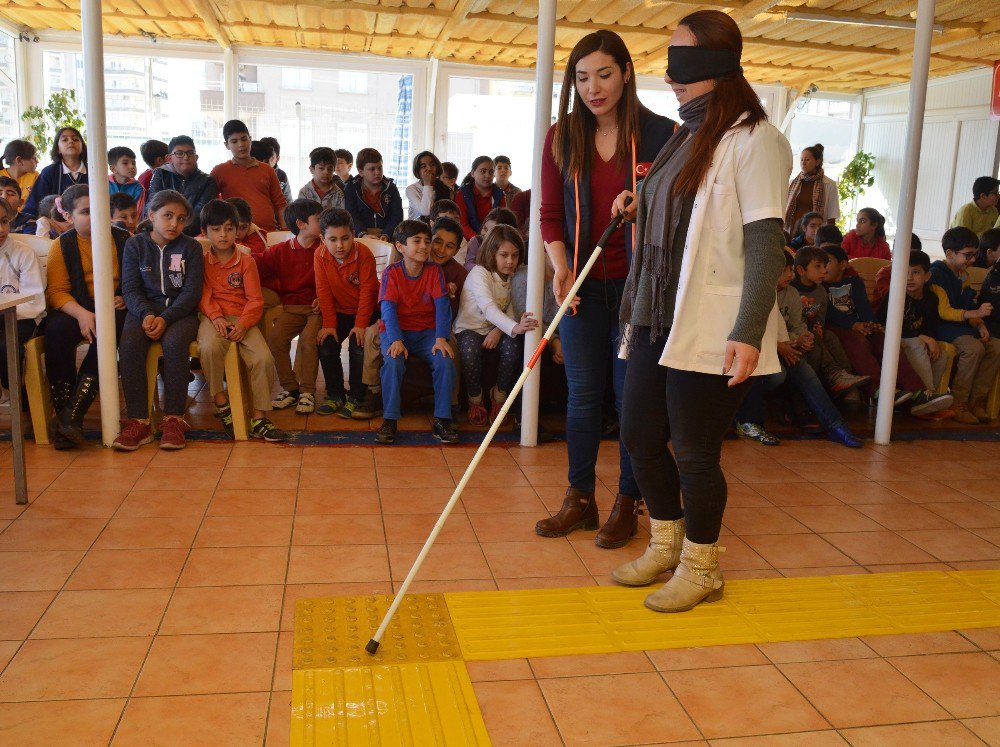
[
  {"x": 693, "y": 411},
  {"x": 62, "y": 335},
  {"x": 25, "y": 331}
]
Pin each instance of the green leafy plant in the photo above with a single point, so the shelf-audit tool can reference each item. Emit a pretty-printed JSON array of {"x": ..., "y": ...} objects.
[
  {"x": 60, "y": 111},
  {"x": 854, "y": 180}
]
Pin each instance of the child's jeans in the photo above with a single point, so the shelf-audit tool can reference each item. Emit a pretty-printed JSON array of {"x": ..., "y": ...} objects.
[
  {"x": 976, "y": 367},
  {"x": 930, "y": 372},
  {"x": 62, "y": 335},
  {"x": 253, "y": 351},
  {"x": 865, "y": 354},
  {"x": 420, "y": 344},
  {"x": 329, "y": 359},
  {"x": 132, "y": 350}
]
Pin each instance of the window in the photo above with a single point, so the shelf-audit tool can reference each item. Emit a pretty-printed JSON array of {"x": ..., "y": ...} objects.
[
  {"x": 826, "y": 121},
  {"x": 9, "y": 126},
  {"x": 296, "y": 79},
  {"x": 349, "y": 82},
  {"x": 322, "y": 118},
  {"x": 150, "y": 97}
]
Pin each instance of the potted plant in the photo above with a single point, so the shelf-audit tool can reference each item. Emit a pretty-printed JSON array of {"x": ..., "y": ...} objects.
[
  {"x": 60, "y": 111},
  {"x": 854, "y": 180}
]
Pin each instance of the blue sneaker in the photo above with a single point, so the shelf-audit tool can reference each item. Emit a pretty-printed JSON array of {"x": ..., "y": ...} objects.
[{"x": 842, "y": 435}]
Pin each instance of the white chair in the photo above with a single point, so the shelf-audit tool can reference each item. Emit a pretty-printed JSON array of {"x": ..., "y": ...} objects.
[
  {"x": 276, "y": 237},
  {"x": 40, "y": 245},
  {"x": 36, "y": 382},
  {"x": 382, "y": 251}
]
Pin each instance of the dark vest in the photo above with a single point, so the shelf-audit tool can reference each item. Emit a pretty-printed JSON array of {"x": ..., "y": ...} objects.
[
  {"x": 469, "y": 197},
  {"x": 74, "y": 265},
  {"x": 654, "y": 131}
]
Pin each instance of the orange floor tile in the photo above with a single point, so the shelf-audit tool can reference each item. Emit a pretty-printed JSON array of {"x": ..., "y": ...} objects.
[{"x": 148, "y": 598}]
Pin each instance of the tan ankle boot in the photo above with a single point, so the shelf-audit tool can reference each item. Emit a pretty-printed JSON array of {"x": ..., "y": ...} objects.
[
  {"x": 579, "y": 511},
  {"x": 979, "y": 410},
  {"x": 697, "y": 579},
  {"x": 662, "y": 554}
]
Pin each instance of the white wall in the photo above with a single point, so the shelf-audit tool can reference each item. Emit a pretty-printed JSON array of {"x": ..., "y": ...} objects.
[{"x": 960, "y": 143}]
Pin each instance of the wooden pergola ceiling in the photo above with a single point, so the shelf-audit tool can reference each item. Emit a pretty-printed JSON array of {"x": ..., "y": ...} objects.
[{"x": 809, "y": 48}]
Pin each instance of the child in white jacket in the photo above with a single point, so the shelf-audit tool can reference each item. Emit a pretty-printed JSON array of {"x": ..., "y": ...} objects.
[
  {"x": 19, "y": 273},
  {"x": 485, "y": 322}
]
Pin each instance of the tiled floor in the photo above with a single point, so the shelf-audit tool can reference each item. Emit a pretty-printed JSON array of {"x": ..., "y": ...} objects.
[{"x": 148, "y": 598}]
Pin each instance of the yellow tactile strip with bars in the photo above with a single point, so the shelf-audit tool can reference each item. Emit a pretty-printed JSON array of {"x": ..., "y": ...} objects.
[
  {"x": 606, "y": 619},
  {"x": 417, "y": 691}
]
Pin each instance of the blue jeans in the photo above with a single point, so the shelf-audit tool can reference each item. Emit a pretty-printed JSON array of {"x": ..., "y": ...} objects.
[
  {"x": 590, "y": 340},
  {"x": 420, "y": 344},
  {"x": 803, "y": 377}
]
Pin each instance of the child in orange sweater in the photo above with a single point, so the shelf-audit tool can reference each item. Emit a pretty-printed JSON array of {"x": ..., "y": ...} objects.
[
  {"x": 347, "y": 289},
  {"x": 231, "y": 305}
]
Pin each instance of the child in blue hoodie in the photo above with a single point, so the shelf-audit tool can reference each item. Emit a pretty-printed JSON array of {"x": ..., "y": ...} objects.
[
  {"x": 372, "y": 200},
  {"x": 162, "y": 275},
  {"x": 850, "y": 317},
  {"x": 978, "y": 354}
]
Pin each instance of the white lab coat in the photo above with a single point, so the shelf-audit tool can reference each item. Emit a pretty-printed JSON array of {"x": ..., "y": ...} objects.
[{"x": 746, "y": 182}]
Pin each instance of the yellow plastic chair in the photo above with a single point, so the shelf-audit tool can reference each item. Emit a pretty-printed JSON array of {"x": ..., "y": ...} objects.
[
  {"x": 949, "y": 352},
  {"x": 276, "y": 237},
  {"x": 976, "y": 277},
  {"x": 236, "y": 384},
  {"x": 36, "y": 383},
  {"x": 993, "y": 403},
  {"x": 867, "y": 268}
]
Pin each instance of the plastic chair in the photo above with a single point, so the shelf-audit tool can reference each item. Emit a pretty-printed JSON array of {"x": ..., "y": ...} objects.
[
  {"x": 867, "y": 268},
  {"x": 381, "y": 249},
  {"x": 948, "y": 351},
  {"x": 236, "y": 385},
  {"x": 276, "y": 237},
  {"x": 36, "y": 384},
  {"x": 976, "y": 277},
  {"x": 993, "y": 403}
]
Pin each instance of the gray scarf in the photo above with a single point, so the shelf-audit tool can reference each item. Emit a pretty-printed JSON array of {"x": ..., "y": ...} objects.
[{"x": 659, "y": 213}]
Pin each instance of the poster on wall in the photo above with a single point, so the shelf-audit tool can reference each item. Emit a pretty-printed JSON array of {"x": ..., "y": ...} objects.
[{"x": 995, "y": 93}]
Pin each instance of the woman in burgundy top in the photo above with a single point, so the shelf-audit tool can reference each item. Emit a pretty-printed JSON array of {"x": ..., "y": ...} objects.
[{"x": 591, "y": 154}]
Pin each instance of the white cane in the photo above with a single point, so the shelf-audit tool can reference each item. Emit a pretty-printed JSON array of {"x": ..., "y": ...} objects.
[{"x": 376, "y": 639}]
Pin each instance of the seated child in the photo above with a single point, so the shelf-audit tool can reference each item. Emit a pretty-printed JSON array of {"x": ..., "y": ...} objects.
[
  {"x": 883, "y": 278},
  {"x": 920, "y": 326},
  {"x": 810, "y": 271},
  {"x": 121, "y": 161},
  {"x": 51, "y": 221},
  {"x": 347, "y": 289},
  {"x": 447, "y": 235},
  {"x": 162, "y": 278},
  {"x": 416, "y": 318},
  {"x": 287, "y": 269},
  {"x": 485, "y": 322},
  {"x": 70, "y": 321},
  {"x": 793, "y": 340},
  {"x": 448, "y": 209},
  {"x": 154, "y": 153},
  {"x": 806, "y": 235},
  {"x": 342, "y": 168},
  {"x": 19, "y": 273},
  {"x": 124, "y": 212},
  {"x": 978, "y": 355},
  {"x": 20, "y": 163},
  {"x": 231, "y": 305},
  {"x": 496, "y": 217},
  {"x": 477, "y": 196},
  {"x": 989, "y": 293},
  {"x": 989, "y": 248},
  {"x": 323, "y": 186},
  {"x": 849, "y": 316},
  {"x": 248, "y": 234},
  {"x": 449, "y": 176},
  {"x": 10, "y": 192},
  {"x": 827, "y": 234},
  {"x": 373, "y": 200}
]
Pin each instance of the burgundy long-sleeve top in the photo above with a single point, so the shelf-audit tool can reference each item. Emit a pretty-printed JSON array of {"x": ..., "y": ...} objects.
[{"x": 607, "y": 180}]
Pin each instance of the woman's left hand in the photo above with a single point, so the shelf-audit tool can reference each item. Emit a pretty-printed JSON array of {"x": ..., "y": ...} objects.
[{"x": 740, "y": 363}]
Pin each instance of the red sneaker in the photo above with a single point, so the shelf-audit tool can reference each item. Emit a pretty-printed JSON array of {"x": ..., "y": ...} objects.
[
  {"x": 172, "y": 433},
  {"x": 134, "y": 434}
]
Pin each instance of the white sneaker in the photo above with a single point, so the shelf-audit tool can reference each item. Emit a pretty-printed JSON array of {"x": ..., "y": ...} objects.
[
  {"x": 306, "y": 405},
  {"x": 283, "y": 400}
]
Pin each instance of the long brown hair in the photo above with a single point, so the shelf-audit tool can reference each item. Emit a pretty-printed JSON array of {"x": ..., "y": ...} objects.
[
  {"x": 733, "y": 96},
  {"x": 575, "y": 129}
]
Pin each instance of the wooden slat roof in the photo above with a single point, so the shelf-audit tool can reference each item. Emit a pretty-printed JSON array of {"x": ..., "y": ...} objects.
[{"x": 836, "y": 57}]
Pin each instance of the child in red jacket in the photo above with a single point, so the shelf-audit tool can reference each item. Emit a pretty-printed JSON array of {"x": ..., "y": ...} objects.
[{"x": 347, "y": 289}]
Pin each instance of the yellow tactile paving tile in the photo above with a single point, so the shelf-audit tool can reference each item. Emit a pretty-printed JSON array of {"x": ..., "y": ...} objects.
[
  {"x": 407, "y": 704},
  {"x": 502, "y": 625},
  {"x": 332, "y": 632}
]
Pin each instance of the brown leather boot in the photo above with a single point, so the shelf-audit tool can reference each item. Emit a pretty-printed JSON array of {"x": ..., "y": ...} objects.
[
  {"x": 622, "y": 525},
  {"x": 579, "y": 511}
]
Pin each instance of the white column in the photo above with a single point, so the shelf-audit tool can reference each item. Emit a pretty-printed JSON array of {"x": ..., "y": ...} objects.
[
  {"x": 230, "y": 83},
  {"x": 536, "y": 259},
  {"x": 904, "y": 221},
  {"x": 100, "y": 217}
]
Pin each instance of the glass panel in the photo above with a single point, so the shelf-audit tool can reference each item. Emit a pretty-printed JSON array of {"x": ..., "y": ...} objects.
[
  {"x": 362, "y": 114},
  {"x": 9, "y": 126}
]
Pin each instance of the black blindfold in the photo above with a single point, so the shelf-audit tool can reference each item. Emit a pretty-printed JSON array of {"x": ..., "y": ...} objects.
[{"x": 694, "y": 64}]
